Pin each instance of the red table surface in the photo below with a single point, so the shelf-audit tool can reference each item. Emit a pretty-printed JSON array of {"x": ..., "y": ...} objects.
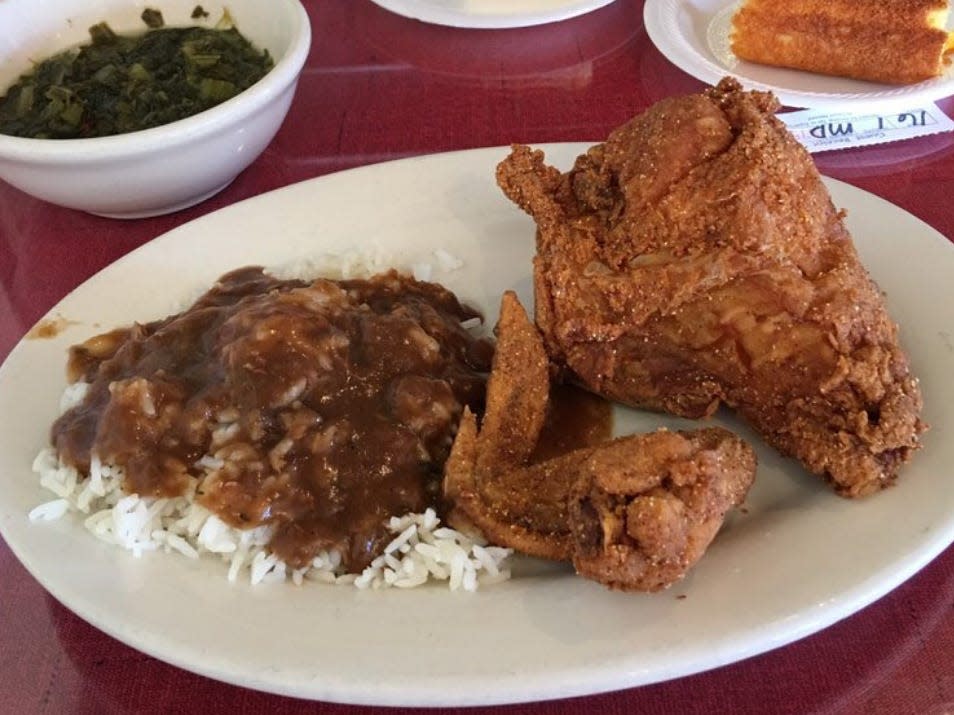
[{"x": 376, "y": 87}]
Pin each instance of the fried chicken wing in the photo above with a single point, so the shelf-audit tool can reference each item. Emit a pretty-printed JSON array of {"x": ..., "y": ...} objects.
[
  {"x": 646, "y": 509},
  {"x": 634, "y": 513},
  {"x": 484, "y": 477},
  {"x": 695, "y": 258}
]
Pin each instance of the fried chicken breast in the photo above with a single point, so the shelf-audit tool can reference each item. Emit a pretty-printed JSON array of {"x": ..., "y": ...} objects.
[{"x": 695, "y": 258}]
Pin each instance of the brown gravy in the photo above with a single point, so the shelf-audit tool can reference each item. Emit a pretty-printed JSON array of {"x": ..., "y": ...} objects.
[
  {"x": 326, "y": 407},
  {"x": 48, "y": 328}
]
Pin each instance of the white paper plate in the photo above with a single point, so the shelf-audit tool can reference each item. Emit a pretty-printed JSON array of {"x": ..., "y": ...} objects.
[
  {"x": 694, "y": 36},
  {"x": 798, "y": 560},
  {"x": 491, "y": 14}
]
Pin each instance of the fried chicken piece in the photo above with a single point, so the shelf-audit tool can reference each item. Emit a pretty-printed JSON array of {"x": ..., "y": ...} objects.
[
  {"x": 634, "y": 513},
  {"x": 483, "y": 477},
  {"x": 520, "y": 508},
  {"x": 695, "y": 258},
  {"x": 519, "y": 383},
  {"x": 644, "y": 512}
]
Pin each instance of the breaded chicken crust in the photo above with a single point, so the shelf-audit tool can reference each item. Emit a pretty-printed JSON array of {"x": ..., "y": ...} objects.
[
  {"x": 634, "y": 513},
  {"x": 695, "y": 258}
]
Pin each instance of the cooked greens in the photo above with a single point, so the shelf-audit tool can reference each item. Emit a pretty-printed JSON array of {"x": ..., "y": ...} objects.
[{"x": 119, "y": 84}]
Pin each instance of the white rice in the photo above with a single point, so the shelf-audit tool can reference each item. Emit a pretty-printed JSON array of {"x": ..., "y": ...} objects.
[
  {"x": 422, "y": 550},
  {"x": 366, "y": 261}
]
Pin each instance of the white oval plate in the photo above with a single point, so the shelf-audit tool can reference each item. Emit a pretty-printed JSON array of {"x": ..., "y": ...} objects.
[
  {"x": 491, "y": 14},
  {"x": 797, "y": 561},
  {"x": 694, "y": 36}
]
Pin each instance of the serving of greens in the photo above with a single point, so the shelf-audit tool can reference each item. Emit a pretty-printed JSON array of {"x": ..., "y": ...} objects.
[{"x": 119, "y": 84}]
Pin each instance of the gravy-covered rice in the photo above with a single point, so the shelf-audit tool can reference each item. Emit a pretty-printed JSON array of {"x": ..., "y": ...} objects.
[{"x": 280, "y": 424}]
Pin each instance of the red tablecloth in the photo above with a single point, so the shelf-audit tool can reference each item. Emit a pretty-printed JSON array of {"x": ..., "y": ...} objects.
[{"x": 377, "y": 87}]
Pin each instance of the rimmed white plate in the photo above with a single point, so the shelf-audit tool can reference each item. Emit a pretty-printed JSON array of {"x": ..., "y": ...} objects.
[
  {"x": 797, "y": 561},
  {"x": 694, "y": 36},
  {"x": 491, "y": 14}
]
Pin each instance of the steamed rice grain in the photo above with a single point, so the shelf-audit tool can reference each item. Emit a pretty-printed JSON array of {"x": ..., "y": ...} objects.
[{"x": 421, "y": 551}]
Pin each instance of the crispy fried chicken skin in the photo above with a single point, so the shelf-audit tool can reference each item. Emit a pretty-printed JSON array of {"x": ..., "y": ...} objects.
[
  {"x": 634, "y": 513},
  {"x": 646, "y": 507},
  {"x": 695, "y": 258}
]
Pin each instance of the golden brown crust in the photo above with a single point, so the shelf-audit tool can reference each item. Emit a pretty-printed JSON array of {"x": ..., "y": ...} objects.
[
  {"x": 643, "y": 514},
  {"x": 888, "y": 41},
  {"x": 732, "y": 280},
  {"x": 484, "y": 477},
  {"x": 669, "y": 491},
  {"x": 517, "y": 390},
  {"x": 508, "y": 507}
]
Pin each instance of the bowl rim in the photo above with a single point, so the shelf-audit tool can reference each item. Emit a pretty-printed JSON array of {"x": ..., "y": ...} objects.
[{"x": 147, "y": 141}]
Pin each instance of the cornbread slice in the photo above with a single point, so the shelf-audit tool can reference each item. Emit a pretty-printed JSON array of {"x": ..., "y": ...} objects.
[{"x": 889, "y": 41}]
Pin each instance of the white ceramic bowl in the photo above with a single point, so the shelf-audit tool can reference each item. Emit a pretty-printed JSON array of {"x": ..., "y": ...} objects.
[{"x": 166, "y": 168}]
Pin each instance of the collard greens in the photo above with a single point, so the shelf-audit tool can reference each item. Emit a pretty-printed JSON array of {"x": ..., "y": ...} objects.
[{"x": 119, "y": 84}]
